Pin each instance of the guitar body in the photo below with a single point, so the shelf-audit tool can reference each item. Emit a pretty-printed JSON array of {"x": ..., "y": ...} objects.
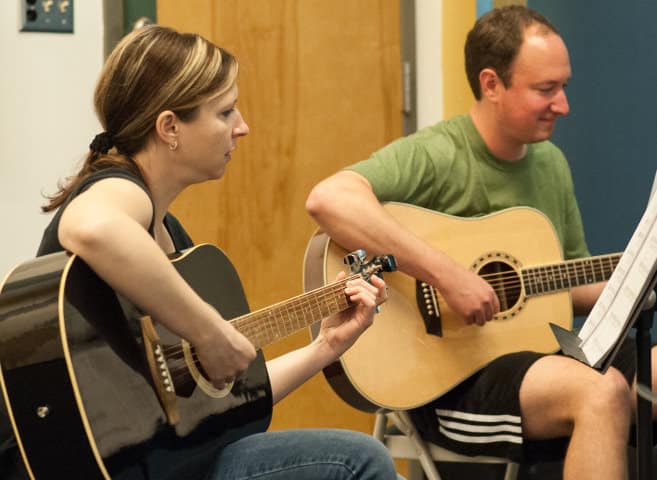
[
  {"x": 397, "y": 363},
  {"x": 76, "y": 379}
]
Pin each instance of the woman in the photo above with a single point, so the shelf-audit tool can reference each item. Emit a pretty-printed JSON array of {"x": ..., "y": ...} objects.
[{"x": 168, "y": 105}]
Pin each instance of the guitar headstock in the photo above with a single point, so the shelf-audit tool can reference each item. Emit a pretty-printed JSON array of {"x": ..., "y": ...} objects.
[{"x": 358, "y": 263}]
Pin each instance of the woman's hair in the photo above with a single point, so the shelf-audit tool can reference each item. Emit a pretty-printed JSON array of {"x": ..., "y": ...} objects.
[
  {"x": 152, "y": 69},
  {"x": 495, "y": 40}
]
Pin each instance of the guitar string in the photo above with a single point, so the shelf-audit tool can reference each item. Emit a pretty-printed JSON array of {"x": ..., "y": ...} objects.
[
  {"x": 593, "y": 268},
  {"x": 181, "y": 372},
  {"x": 497, "y": 280},
  {"x": 502, "y": 278},
  {"x": 510, "y": 279},
  {"x": 175, "y": 355},
  {"x": 327, "y": 300},
  {"x": 302, "y": 304},
  {"x": 280, "y": 323},
  {"x": 578, "y": 267}
]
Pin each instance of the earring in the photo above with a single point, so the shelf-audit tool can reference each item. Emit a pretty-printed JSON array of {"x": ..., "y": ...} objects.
[{"x": 173, "y": 146}]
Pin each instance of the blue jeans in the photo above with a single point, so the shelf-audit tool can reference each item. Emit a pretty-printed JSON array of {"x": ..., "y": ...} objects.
[{"x": 307, "y": 454}]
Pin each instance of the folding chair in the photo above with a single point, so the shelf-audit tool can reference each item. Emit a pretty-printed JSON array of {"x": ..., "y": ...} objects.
[{"x": 406, "y": 443}]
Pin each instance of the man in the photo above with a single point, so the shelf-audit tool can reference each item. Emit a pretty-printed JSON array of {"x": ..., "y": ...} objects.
[{"x": 496, "y": 156}]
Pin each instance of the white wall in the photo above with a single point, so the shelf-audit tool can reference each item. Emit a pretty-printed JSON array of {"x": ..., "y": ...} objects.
[
  {"x": 428, "y": 46},
  {"x": 46, "y": 118}
]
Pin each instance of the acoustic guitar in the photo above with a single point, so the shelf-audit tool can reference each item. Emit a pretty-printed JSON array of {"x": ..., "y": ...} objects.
[
  {"x": 418, "y": 348},
  {"x": 91, "y": 382}
]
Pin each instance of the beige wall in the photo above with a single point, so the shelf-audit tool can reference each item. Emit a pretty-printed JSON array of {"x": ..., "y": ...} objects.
[{"x": 458, "y": 17}]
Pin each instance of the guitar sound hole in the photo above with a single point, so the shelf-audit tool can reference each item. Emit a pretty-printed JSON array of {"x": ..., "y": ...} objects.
[{"x": 505, "y": 281}]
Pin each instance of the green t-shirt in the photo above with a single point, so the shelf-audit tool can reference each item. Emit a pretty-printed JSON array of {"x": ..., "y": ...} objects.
[{"x": 448, "y": 168}]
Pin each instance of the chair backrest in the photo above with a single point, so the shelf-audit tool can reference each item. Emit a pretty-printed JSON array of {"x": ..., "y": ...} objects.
[{"x": 395, "y": 429}]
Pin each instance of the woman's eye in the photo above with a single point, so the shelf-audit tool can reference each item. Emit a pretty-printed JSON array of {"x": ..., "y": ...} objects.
[{"x": 227, "y": 113}]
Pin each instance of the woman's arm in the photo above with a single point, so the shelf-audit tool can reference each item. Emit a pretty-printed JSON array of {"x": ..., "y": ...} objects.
[
  {"x": 107, "y": 227},
  {"x": 337, "y": 333}
]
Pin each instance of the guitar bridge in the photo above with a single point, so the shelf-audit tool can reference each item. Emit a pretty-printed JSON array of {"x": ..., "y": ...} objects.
[
  {"x": 160, "y": 375},
  {"x": 427, "y": 303}
]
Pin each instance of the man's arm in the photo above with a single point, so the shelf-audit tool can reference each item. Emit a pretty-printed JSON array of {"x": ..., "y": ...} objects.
[
  {"x": 346, "y": 208},
  {"x": 585, "y": 296}
]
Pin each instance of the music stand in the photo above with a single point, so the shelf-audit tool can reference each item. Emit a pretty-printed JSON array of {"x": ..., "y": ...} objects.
[
  {"x": 644, "y": 439},
  {"x": 641, "y": 320}
]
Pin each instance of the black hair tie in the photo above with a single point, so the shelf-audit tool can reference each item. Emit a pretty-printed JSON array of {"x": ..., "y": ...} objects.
[{"x": 102, "y": 143}]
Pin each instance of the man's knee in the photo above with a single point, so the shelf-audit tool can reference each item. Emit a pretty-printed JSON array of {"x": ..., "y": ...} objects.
[{"x": 609, "y": 395}]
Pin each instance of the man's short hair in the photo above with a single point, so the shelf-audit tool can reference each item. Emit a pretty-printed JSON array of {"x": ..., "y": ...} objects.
[{"x": 495, "y": 40}]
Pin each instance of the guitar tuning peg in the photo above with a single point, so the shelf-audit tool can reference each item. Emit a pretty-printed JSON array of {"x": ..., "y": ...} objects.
[
  {"x": 388, "y": 263},
  {"x": 355, "y": 258}
]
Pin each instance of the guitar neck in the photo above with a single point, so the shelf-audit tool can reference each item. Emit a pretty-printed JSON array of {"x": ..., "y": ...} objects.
[
  {"x": 565, "y": 275},
  {"x": 282, "y": 319}
]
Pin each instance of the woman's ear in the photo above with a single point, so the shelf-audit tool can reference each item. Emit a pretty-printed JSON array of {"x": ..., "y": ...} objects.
[
  {"x": 490, "y": 84},
  {"x": 167, "y": 128}
]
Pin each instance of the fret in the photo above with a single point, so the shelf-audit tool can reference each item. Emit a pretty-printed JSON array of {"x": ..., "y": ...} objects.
[
  {"x": 318, "y": 307},
  {"x": 294, "y": 317},
  {"x": 529, "y": 281},
  {"x": 586, "y": 269},
  {"x": 606, "y": 265},
  {"x": 599, "y": 270},
  {"x": 564, "y": 279},
  {"x": 541, "y": 276},
  {"x": 274, "y": 323},
  {"x": 537, "y": 281},
  {"x": 579, "y": 274},
  {"x": 551, "y": 278},
  {"x": 593, "y": 271},
  {"x": 571, "y": 270},
  {"x": 572, "y": 273},
  {"x": 611, "y": 265},
  {"x": 556, "y": 278}
]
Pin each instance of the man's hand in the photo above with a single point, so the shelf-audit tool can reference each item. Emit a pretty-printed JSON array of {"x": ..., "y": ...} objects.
[{"x": 468, "y": 294}]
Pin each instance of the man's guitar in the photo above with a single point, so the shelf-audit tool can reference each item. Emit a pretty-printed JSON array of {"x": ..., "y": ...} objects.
[
  {"x": 90, "y": 382},
  {"x": 418, "y": 348}
]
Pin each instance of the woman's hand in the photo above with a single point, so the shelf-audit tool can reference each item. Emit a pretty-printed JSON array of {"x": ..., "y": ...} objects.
[
  {"x": 224, "y": 354},
  {"x": 339, "y": 332}
]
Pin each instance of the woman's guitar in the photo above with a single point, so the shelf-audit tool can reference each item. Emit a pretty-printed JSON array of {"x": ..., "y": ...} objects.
[
  {"x": 90, "y": 382},
  {"x": 418, "y": 348}
]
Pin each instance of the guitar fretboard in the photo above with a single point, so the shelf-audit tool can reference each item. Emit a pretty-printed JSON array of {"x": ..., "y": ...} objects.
[
  {"x": 565, "y": 275},
  {"x": 282, "y": 319}
]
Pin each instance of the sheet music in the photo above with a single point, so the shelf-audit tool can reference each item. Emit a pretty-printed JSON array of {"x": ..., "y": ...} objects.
[
  {"x": 654, "y": 187},
  {"x": 610, "y": 315}
]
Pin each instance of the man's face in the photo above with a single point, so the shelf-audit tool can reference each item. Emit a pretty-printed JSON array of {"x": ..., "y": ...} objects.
[{"x": 535, "y": 98}]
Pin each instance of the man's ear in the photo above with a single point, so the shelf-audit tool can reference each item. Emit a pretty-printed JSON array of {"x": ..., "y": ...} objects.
[
  {"x": 167, "y": 127},
  {"x": 490, "y": 84}
]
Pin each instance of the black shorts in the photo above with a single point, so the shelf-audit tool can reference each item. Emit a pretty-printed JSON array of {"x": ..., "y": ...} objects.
[{"x": 481, "y": 416}]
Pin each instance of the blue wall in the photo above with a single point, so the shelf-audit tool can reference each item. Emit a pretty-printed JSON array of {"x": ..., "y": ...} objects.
[{"x": 610, "y": 136}]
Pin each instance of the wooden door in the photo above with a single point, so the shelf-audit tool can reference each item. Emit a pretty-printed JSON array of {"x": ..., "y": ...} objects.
[{"x": 319, "y": 87}]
